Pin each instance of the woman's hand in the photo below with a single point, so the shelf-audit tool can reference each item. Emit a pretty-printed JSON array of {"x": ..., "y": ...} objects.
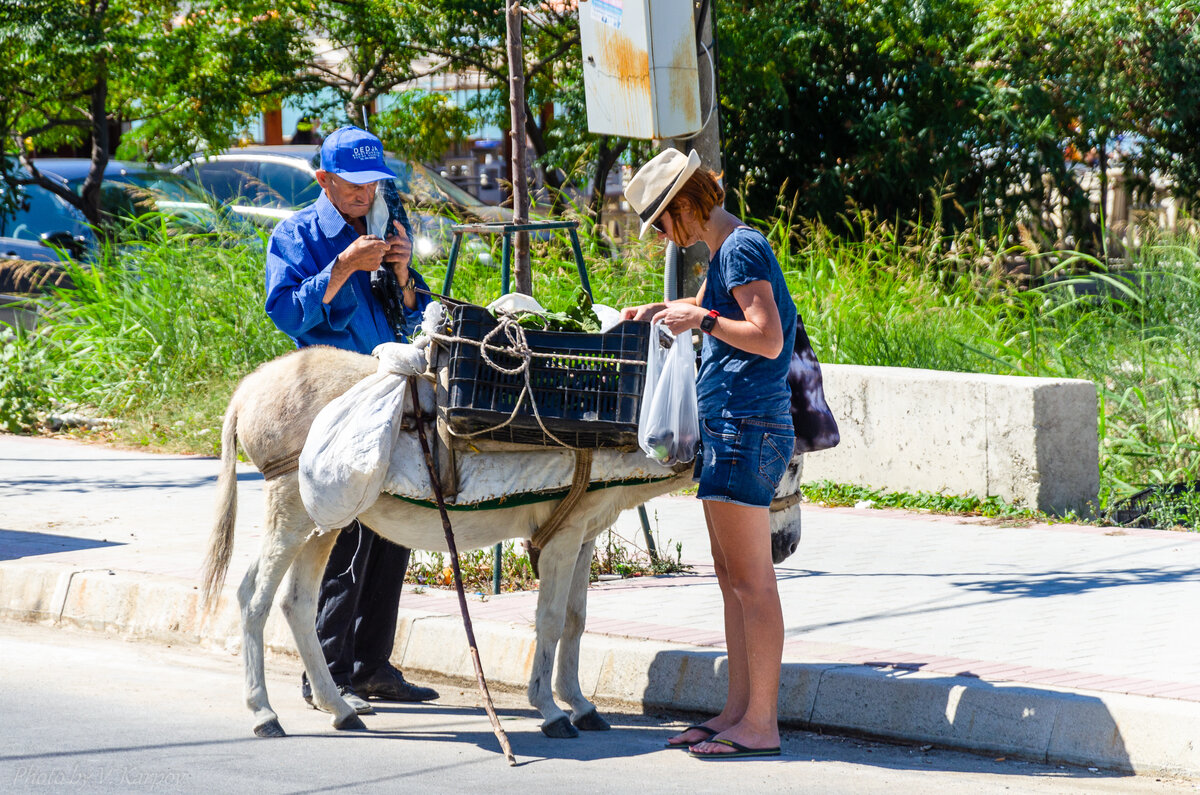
[
  {"x": 643, "y": 312},
  {"x": 680, "y": 317}
]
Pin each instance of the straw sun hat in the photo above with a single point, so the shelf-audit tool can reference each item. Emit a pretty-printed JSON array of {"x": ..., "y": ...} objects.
[{"x": 657, "y": 182}]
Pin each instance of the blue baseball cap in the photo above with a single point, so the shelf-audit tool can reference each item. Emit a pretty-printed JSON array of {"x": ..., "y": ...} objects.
[{"x": 354, "y": 155}]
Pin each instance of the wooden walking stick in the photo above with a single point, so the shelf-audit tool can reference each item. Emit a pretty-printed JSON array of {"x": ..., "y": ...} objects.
[{"x": 458, "y": 583}]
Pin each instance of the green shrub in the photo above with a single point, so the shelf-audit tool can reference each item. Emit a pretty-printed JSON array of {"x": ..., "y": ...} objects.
[{"x": 23, "y": 394}]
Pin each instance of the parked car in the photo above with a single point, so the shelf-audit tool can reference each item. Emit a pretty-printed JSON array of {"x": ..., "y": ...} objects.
[
  {"x": 42, "y": 222},
  {"x": 133, "y": 189},
  {"x": 269, "y": 183}
]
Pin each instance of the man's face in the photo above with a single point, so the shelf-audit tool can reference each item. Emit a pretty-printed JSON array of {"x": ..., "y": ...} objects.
[{"x": 349, "y": 199}]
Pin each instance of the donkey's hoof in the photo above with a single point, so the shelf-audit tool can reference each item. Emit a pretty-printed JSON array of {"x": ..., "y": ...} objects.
[
  {"x": 270, "y": 729},
  {"x": 560, "y": 729},
  {"x": 350, "y": 723},
  {"x": 590, "y": 721}
]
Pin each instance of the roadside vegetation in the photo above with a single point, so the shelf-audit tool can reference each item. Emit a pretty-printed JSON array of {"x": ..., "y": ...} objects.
[{"x": 155, "y": 334}]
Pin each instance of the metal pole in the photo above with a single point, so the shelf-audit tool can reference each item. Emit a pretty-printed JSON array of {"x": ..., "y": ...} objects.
[
  {"x": 497, "y": 563},
  {"x": 505, "y": 263},
  {"x": 583, "y": 277},
  {"x": 454, "y": 247},
  {"x": 650, "y": 547}
]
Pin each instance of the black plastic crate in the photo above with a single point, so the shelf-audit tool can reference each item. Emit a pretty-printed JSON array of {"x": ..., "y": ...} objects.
[
  {"x": 585, "y": 402},
  {"x": 1136, "y": 510}
]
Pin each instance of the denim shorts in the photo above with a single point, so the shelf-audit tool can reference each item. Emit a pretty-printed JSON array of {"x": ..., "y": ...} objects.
[{"x": 742, "y": 460}]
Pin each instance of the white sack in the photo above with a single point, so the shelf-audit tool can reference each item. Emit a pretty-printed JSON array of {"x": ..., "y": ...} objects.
[{"x": 349, "y": 448}]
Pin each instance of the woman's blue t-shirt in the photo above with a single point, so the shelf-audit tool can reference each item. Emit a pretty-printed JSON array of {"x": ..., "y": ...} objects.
[{"x": 731, "y": 382}]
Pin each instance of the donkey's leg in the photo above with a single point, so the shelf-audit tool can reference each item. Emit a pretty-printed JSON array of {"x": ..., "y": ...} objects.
[
  {"x": 255, "y": 595},
  {"x": 300, "y": 607},
  {"x": 283, "y": 535},
  {"x": 557, "y": 569},
  {"x": 566, "y": 681}
]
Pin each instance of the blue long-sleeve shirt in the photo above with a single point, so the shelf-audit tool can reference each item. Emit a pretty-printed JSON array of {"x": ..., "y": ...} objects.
[{"x": 300, "y": 258}]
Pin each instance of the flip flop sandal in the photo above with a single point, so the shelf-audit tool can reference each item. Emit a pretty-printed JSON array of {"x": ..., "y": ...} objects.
[
  {"x": 739, "y": 751},
  {"x": 709, "y": 732}
]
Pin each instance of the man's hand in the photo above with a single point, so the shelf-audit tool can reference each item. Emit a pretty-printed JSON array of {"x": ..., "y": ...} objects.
[
  {"x": 399, "y": 253},
  {"x": 364, "y": 254}
]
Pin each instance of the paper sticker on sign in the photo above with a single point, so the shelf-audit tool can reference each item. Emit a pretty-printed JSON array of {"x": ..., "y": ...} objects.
[{"x": 608, "y": 11}]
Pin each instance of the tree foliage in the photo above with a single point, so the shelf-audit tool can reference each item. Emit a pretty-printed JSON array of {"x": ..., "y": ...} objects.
[
  {"x": 964, "y": 110},
  {"x": 468, "y": 36},
  {"x": 420, "y": 124},
  {"x": 191, "y": 73}
]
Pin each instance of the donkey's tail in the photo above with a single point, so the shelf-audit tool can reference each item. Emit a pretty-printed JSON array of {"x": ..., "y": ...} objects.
[{"x": 220, "y": 544}]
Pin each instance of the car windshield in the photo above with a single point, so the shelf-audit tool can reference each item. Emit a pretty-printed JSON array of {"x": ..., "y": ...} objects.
[
  {"x": 425, "y": 186},
  {"x": 164, "y": 184},
  {"x": 39, "y": 212}
]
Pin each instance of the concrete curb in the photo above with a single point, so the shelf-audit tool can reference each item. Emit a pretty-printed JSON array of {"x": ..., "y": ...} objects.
[{"x": 1114, "y": 731}]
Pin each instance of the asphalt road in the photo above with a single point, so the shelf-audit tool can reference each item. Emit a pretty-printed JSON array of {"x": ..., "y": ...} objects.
[{"x": 85, "y": 713}]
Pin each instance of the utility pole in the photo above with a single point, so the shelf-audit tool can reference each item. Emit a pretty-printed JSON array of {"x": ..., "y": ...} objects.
[
  {"x": 692, "y": 262},
  {"x": 520, "y": 181},
  {"x": 707, "y": 142}
]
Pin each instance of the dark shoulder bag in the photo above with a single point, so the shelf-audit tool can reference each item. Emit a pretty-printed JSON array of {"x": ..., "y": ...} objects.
[{"x": 816, "y": 429}]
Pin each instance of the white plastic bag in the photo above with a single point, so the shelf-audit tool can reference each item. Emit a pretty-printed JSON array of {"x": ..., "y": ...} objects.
[{"x": 669, "y": 425}]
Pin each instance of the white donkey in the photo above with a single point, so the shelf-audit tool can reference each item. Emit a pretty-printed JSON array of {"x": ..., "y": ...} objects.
[{"x": 270, "y": 413}]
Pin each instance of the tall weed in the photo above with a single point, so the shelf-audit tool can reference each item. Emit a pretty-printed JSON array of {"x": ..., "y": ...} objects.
[{"x": 158, "y": 331}]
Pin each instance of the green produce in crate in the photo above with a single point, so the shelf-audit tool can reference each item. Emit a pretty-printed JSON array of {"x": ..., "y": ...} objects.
[{"x": 579, "y": 318}]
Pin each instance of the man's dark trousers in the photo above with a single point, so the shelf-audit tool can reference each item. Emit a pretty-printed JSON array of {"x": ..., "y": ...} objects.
[{"x": 366, "y": 585}]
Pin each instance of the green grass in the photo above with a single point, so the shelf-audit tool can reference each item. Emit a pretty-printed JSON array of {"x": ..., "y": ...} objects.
[
  {"x": 842, "y": 494},
  {"x": 158, "y": 332},
  {"x": 613, "y": 555}
]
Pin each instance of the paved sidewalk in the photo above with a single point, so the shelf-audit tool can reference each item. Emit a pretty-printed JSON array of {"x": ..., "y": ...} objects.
[{"x": 1059, "y": 643}]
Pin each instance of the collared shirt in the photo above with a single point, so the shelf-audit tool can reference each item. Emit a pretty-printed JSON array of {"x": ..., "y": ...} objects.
[{"x": 300, "y": 257}]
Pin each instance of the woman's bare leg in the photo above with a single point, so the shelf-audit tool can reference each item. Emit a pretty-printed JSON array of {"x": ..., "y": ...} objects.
[{"x": 753, "y": 625}]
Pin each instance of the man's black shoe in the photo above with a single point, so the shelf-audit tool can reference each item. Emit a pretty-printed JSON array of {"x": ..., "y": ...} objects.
[
  {"x": 387, "y": 684},
  {"x": 347, "y": 693}
]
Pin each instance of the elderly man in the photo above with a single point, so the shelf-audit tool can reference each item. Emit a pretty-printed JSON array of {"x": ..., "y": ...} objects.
[{"x": 319, "y": 265}]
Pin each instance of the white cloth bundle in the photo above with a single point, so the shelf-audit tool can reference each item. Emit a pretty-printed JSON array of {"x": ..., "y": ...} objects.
[{"x": 353, "y": 440}]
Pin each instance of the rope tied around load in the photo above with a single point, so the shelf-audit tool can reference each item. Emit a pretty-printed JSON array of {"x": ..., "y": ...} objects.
[{"x": 518, "y": 347}]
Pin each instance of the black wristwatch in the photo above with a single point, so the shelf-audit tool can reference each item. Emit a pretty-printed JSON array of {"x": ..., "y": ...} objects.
[{"x": 710, "y": 320}]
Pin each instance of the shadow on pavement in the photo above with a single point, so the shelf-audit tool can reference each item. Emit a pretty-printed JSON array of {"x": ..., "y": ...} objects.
[{"x": 15, "y": 544}]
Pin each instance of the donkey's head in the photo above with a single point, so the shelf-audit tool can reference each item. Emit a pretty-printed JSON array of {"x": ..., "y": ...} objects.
[{"x": 785, "y": 512}]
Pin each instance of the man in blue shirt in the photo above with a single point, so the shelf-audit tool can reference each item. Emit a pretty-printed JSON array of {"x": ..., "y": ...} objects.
[{"x": 319, "y": 265}]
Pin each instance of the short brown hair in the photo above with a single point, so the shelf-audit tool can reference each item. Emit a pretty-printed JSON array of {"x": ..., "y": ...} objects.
[{"x": 704, "y": 193}]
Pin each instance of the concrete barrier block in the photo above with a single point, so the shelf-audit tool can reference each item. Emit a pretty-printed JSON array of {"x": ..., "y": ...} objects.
[
  {"x": 904, "y": 430},
  {"x": 1030, "y": 441},
  {"x": 798, "y": 687},
  {"x": 958, "y": 711},
  {"x": 660, "y": 675},
  {"x": 28, "y": 593},
  {"x": 438, "y": 644},
  {"x": 1130, "y": 733}
]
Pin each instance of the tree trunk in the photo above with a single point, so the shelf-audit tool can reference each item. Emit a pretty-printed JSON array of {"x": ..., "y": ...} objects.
[
  {"x": 90, "y": 195},
  {"x": 605, "y": 160},
  {"x": 516, "y": 96},
  {"x": 550, "y": 177}
]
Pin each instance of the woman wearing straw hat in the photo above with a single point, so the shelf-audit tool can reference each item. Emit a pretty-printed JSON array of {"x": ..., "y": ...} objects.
[{"x": 749, "y": 324}]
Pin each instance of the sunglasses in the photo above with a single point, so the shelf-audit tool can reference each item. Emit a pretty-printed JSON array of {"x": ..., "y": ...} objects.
[{"x": 657, "y": 225}]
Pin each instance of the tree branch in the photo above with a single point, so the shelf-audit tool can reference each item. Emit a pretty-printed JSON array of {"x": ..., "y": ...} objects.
[
  {"x": 553, "y": 58},
  {"x": 83, "y": 124}
]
